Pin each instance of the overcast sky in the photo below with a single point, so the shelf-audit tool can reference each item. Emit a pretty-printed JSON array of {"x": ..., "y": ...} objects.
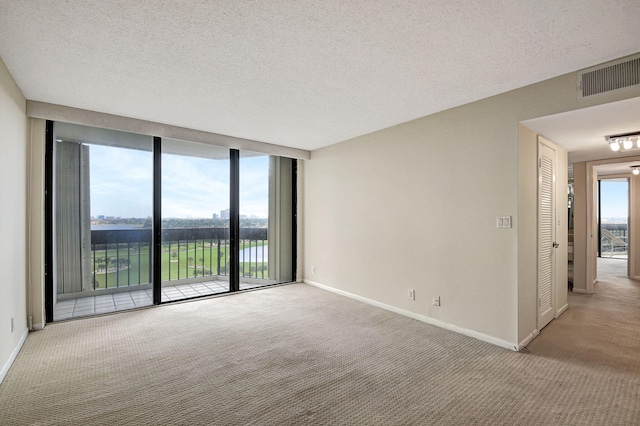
[{"x": 121, "y": 184}]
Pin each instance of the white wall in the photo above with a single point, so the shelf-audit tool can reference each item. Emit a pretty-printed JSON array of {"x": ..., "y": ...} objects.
[
  {"x": 13, "y": 190},
  {"x": 562, "y": 232},
  {"x": 35, "y": 212},
  {"x": 415, "y": 206},
  {"x": 527, "y": 234},
  {"x": 580, "y": 227},
  {"x": 634, "y": 226}
]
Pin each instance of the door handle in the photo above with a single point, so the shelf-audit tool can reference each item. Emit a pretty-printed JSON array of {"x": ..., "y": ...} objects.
[{"x": 555, "y": 245}]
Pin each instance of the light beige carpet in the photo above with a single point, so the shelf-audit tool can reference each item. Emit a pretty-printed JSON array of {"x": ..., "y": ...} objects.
[{"x": 297, "y": 355}]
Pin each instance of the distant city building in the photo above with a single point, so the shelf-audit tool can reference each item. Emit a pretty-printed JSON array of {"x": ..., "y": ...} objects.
[
  {"x": 224, "y": 214},
  {"x": 215, "y": 216},
  {"x": 100, "y": 217}
]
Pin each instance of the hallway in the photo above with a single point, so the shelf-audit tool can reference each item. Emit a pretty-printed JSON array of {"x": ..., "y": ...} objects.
[{"x": 600, "y": 329}]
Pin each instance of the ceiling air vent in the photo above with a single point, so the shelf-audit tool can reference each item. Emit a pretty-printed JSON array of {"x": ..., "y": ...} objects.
[{"x": 610, "y": 77}]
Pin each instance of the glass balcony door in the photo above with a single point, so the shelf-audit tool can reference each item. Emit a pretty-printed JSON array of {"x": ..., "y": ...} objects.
[
  {"x": 195, "y": 220},
  {"x": 266, "y": 219},
  {"x": 137, "y": 220},
  {"x": 102, "y": 212}
]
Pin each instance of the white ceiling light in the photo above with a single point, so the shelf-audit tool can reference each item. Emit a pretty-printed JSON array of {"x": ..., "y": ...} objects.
[
  {"x": 614, "y": 145},
  {"x": 635, "y": 170},
  {"x": 624, "y": 142}
]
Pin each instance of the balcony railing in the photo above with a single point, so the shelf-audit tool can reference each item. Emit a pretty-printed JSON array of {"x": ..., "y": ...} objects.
[
  {"x": 122, "y": 258},
  {"x": 614, "y": 239}
]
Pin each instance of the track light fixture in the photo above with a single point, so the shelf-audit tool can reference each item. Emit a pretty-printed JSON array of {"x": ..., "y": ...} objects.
[
  {"x": 624, "y": 142},
  {"x": 627, "y": 143},
  {"x": 635, "y": 170}
]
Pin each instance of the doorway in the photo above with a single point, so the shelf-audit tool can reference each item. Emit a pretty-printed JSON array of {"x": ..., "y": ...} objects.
[{"x": 613, "y": 226}]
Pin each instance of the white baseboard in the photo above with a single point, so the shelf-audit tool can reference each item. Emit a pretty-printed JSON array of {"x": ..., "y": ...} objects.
[
  {"x": 562, "y": 310},
  {"x": 579, "y": 290},
  {"x": 423, "y": 318},
  {"x": 14, "y": 354},
  {"x": 38, "y": 327},
  {"x": 528, "y": 339}
]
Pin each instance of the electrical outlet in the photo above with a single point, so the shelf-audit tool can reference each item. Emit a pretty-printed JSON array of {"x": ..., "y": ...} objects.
[
  {"x": 13, "y": 324},
  {"x": 411, "y": 294},
  {"x": 313, "y": 269},
  {"x": 436, "y": 300}
]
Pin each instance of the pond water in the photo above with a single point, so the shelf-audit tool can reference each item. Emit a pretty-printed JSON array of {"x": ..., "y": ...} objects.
[{"x": 254, "y": 254}]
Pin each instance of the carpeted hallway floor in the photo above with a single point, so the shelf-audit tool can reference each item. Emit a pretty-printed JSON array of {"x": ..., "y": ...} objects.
[
  {"x": 297, "y": 355},
  {"x": 600, "y": 329}
]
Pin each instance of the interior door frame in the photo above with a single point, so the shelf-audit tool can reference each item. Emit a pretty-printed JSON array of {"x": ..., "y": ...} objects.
[
  {"x": 585, "y": 264},
  {"x": 598, "y": 200}
]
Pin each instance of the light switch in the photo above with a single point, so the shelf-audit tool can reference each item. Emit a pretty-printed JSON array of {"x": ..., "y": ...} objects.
[{"x": 503, "y": 221}]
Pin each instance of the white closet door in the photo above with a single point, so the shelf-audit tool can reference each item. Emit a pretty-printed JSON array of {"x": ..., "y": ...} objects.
[{"x": 546, "y": 233}]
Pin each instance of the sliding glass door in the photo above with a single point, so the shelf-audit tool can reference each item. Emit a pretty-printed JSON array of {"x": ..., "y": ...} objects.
[
  {"x": 139, "y": 220},
  {"x": 102, "y": 221},
  {"x": 266, "y": 220},
  {"x": 195, "y": 220}
]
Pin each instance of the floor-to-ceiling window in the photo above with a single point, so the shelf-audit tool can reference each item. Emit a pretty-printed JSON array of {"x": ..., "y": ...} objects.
[
  {"x": 141, "y": 220},
  {"x": 266, "y": 208},
  {"x": 102, "y": 220},
  {"x": 613, "y": 218},
  {"x": 195, "y": 219}
]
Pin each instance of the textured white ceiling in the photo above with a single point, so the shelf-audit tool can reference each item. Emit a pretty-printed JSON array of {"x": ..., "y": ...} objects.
[{"x": 304, "y": 74}]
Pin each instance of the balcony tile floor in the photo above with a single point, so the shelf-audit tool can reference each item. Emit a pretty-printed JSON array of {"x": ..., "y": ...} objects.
[{"x": 102, "y": 304}]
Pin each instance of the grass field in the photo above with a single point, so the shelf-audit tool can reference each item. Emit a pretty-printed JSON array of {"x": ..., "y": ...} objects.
[{"x": 188, "y": 260}]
